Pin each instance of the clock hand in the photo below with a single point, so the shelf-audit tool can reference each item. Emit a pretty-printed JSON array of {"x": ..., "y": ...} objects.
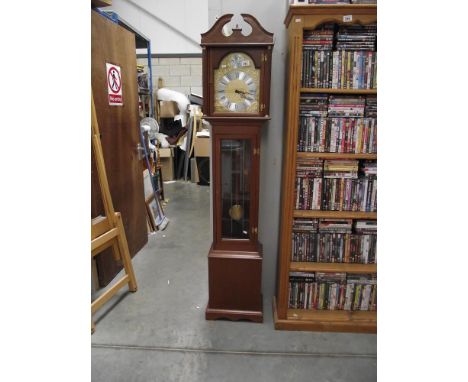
[{"x": 242, "y": 92}]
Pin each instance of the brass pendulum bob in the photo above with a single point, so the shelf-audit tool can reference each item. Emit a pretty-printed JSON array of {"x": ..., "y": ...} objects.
[{"x": 236, "y": 212}]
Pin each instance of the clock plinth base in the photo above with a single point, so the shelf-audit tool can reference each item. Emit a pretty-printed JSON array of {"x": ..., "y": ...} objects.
[
  {"x": 235, "y": 279},
  {"x": 233, "y": 315}
]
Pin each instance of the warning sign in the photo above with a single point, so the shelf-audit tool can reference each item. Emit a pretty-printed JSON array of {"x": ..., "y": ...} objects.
[{"x": 114, "y": 84}]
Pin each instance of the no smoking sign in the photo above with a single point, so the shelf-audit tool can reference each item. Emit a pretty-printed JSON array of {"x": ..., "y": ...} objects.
[{"x": 114, "y": 85}]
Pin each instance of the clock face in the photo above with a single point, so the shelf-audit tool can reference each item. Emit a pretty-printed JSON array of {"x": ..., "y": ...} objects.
[{"x": 237, "y": 85}]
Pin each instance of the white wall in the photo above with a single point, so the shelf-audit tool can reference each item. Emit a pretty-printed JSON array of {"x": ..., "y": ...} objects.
[
  {"x": 182, "y": 74},
  {"x": 173, "y": 26}
]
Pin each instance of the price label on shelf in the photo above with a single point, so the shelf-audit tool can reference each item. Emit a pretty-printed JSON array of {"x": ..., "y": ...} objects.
[{"x": 347, "y": 18}]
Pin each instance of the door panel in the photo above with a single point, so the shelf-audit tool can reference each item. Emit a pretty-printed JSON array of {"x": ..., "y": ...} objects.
[
  {"x": 236, "y": 163},
  {"x": 119, "y": 127},
  {"x": 235, "y": 200}
]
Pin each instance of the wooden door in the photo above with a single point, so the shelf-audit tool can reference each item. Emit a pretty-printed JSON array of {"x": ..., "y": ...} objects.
[{"x": 119, "y": 126}]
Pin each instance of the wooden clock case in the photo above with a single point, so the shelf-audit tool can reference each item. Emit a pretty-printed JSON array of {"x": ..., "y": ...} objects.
[{"x": 235, "y": 265}]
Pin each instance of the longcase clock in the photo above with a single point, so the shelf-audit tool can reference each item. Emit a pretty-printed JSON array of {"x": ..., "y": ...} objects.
[{"x": 236, "y": 98}]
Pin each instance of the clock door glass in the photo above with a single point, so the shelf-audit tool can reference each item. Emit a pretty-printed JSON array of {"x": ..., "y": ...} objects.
[
  {"x": 237, "y": 85},
  {"x": 236, "y": 160}
]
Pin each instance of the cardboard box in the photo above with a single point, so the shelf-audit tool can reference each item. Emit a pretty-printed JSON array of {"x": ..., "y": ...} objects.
[
  {"x": 166, "y": 152},
  {"x": 168, "y": 109},
  {"x": 202, "y": 147},
  {"x": 166, "y": 157}
]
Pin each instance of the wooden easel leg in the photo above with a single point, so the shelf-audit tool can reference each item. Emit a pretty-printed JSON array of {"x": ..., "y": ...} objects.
[
  {"x": 115, "y": 231},
  {"x": 126, "y": 259},
  {"x": 115, "y": 251}
]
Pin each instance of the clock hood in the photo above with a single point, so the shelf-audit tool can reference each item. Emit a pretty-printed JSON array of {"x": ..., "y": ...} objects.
[{"x": 215, "y": 36}]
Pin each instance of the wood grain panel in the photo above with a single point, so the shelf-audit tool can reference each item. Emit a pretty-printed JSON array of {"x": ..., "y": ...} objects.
[
  {"x": 332, "y": 267},
  {"x": 119, "y": 126},
  {"x": 335, "y": 214},
  {"x": 339, "y": 91},
  {"x": 336, "y": 155}
]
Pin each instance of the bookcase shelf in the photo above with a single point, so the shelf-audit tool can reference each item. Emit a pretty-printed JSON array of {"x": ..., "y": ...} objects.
[
  {"x": 332, "y": 267},
  {"x": 300, "y": 18},
  {"x": 327, "y": 10},
  {"x": 336, "y": 155},
  {"x": 334, "y": 214},
  {"x": 339, "y": 91},
  {"x": 326, "y": 320}
]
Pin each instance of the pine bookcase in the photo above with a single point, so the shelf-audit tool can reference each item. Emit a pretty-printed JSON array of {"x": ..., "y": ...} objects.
[{"x": 299, "y": 18}]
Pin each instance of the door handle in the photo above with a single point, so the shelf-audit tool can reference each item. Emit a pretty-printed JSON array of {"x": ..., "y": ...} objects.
[{"x": 140, "y": 151}]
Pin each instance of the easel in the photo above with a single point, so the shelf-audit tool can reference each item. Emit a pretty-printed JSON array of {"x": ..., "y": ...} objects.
[{"x": 108, "y": 231}]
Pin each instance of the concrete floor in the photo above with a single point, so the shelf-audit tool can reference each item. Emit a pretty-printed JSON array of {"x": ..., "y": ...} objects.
[{"x": 159, "y": 333}]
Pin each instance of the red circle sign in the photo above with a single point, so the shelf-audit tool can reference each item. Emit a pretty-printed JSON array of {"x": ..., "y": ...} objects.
[{"x": 113, "y": 80}]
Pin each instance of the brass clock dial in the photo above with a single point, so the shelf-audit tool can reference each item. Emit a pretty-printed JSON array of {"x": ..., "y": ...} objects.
[{"x": 237, "y": 85}]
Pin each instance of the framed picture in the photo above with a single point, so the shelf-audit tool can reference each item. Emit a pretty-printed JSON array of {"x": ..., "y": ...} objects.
[
  {"x": 149, "y": 201},
  {"x": 151, "y": 207}
]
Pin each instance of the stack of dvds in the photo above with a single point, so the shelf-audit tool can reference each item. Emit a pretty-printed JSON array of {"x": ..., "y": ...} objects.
[
  {"x": 362, "y": 249},
  {"x": 369, "y": 168},
  {"x": 306, "y": 225},
  {"x": 353, "y": 63},
  {"x": 311, "y": 134},
  {"x": 361, "y": 292},
  {"x": 341, "y": 168},
  {"x": 317, "y": 68},
  {"x": 302, "y": 290},
  {"x": 320, "y": 38},
  {"x": 333, "y": 236},
  {"x": 339, "y": 186},
  {"x": 363, "y": 243},
  {"x": 371, "y": 106},
  {"x": 368, "y": 186},
  {"x": 304, "y": 239},
  {"x": 309, "y": 184},
  {"x": 356, "y": 37},
  {"x": 340, "y": 194},
  {"x": 354, "y": 69},
  {"x": 313, "y": 105},
  {"x": 332, "y": 291},
  {"x": 346, "y": 106},
  {"x": 344, "y": 191},
  {"x": 328, "y": 245},
  {"x": 316, "y": 56},
  {"x": 337, "y": 135},
  {"x": 317, "y": 290},
  {"x": 334, "y": 242},
  {"x": 364, "y": 226},
  {"x": 335, "y": 225}
]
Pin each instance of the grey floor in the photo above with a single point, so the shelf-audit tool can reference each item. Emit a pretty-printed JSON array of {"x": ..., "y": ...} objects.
[{"x": 159, "y": 333}]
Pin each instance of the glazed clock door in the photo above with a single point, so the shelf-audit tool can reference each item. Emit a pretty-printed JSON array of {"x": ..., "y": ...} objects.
[{"x": 236, "y": 192}]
